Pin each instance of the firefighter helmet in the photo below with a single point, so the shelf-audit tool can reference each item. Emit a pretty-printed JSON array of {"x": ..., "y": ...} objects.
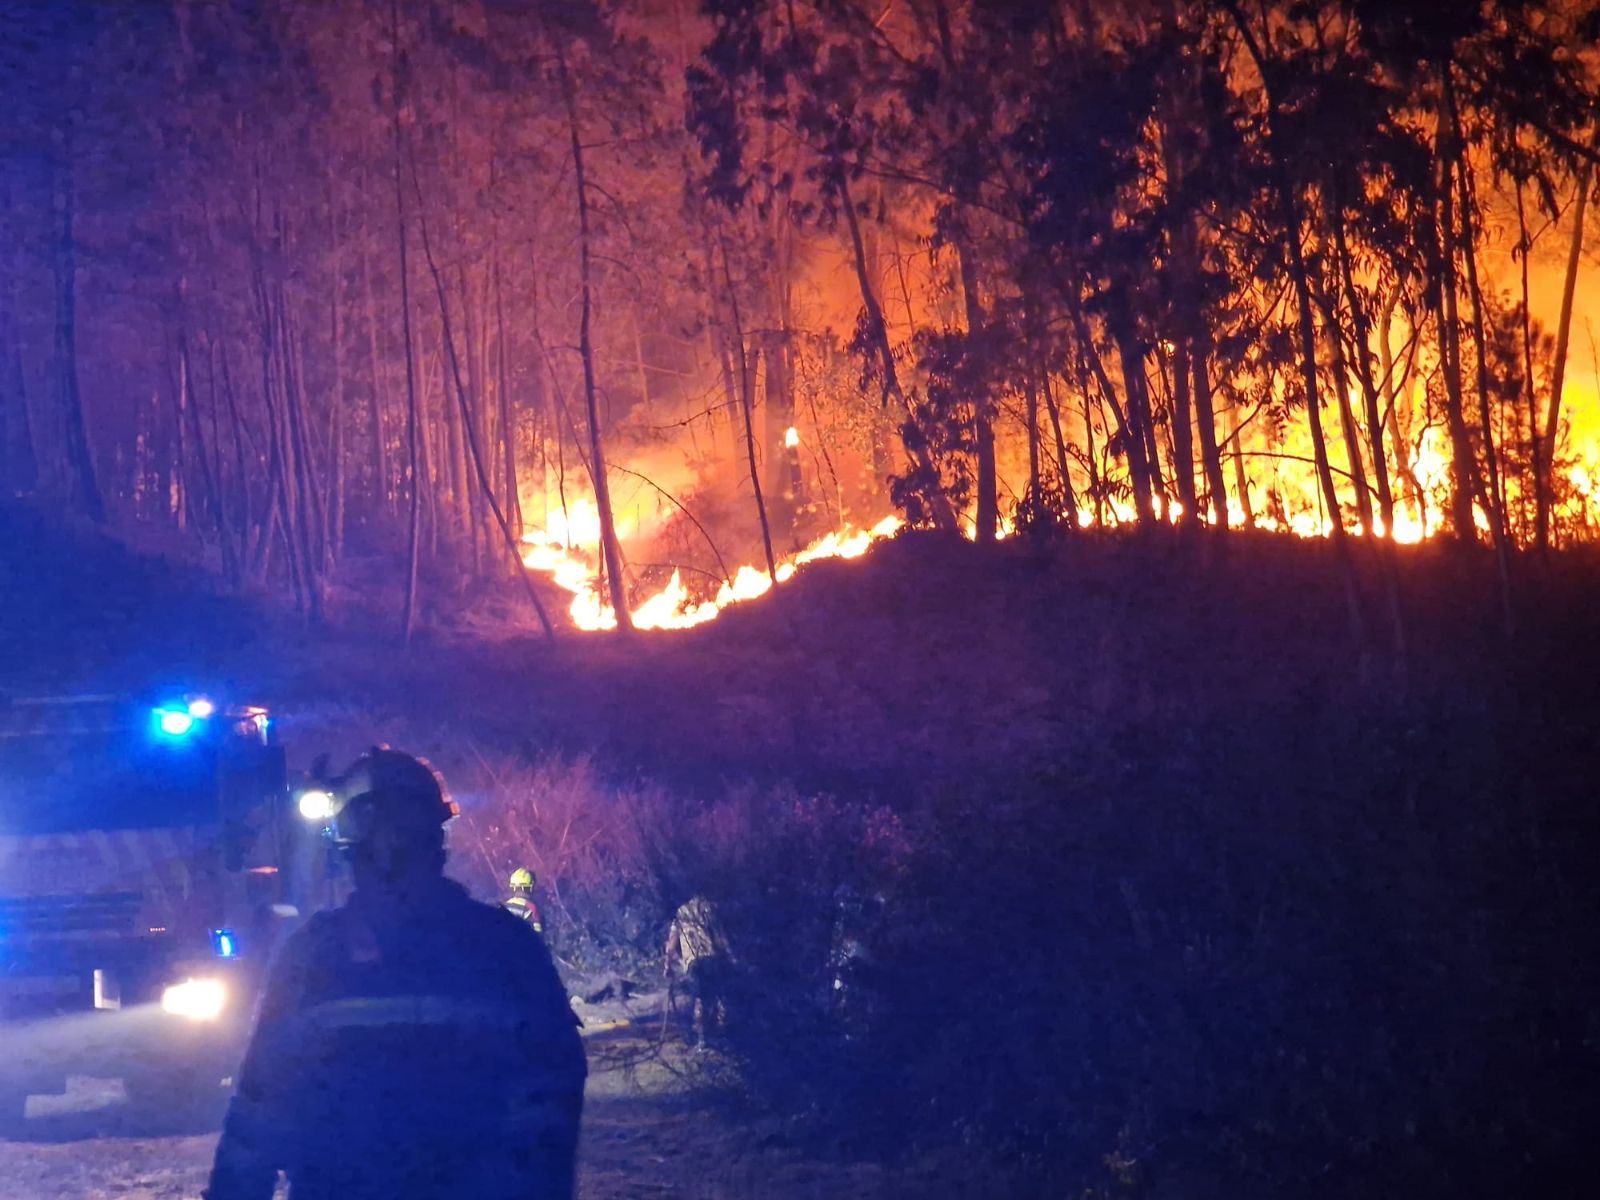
[
  {"x": 388, "y": 788},
  {"x": 522, "y": 880}
]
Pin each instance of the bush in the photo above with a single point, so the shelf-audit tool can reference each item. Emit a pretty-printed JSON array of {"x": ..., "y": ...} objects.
[
  {"x": 584, "y": 837},
  {"x": 1311, "y": 943},
  {"x": 1316, "y": 955}
]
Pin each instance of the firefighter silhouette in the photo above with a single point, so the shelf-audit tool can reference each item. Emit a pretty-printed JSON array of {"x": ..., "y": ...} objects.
[{"x": 411, "y": 1043}]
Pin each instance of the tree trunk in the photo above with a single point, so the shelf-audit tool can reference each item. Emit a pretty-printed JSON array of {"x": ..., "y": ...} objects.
[
  {"x": 1545, "y": 461},
  {"x": 1210, "y": 453},
  {"x": 83, "y": 483},
  {"x": 781, "y": 488},
  {"x": 944, "y": 516},
  {"x": 454, "y": 453},
  {"x": 208, "y": 474},
  {"x": 472, "y": 410},
  {"x": 485, "y": 483},
  {"x": 1142, "y": 418},
  {"x": 18, "y": 465},
  {"x": 610, "y": 547},
  {"x": 791, "y": 493},
  {"x": 1133, "y": 447},
  {"x": 1494, "y": 497},
  {"x": 283, "y": 486},
  {"x": 746, "y": 404},
  {"x": 334, "y": 546},
  {"x": 1241, "y": 480},
  {"x": 1133, "y": 428},
  {"x": 1069, "y": 500},
  {"x": 1362, "y": 341},
  {"x": 308, "y": 514},
  {"x": 414, "y": 525},
  {"x": 1463, "y": 466},
  {"x": 1097, "y": 487},
  {"x": 376, "y": 432},
  {"x": 1308, "y": 374},
  {"x": 250, "y": 534},
  {"x": 508, "y": 427},
  {"x": 986, "y": 524},
  {"x": 1393, "y": 389},
  {"x": 1031, "y": 388},
  {"x": 1530, "y": 402},
  {"x": 1183, "y": 436},
  {"x": 178, "y": 494},
  {"x": 1347, "y": 416}
]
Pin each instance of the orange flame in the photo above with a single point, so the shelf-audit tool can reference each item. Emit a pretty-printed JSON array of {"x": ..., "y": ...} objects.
[
  {"x": 673, "y": 607},
  {"x": 1288, "y": 501}
]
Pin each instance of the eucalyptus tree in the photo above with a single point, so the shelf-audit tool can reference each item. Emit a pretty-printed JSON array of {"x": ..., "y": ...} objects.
[
  {"x": 820, "y": 76},
  {"x": 1497, "y": 82},
  {"x": 57, "y": 71}
]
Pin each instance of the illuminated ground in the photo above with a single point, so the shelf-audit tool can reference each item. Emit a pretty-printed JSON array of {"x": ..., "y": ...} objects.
[{"x": 643, "y": 1136}]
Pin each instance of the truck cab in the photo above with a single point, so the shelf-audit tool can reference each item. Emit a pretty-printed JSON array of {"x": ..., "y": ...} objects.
[{"x": 149, "y": 861}]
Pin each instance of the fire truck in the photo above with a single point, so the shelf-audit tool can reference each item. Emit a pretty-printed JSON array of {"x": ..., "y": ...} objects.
[{"x": 150, "y": 857}]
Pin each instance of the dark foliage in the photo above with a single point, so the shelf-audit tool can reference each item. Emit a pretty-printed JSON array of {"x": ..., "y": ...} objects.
[{"x": 1331, "y": 940}]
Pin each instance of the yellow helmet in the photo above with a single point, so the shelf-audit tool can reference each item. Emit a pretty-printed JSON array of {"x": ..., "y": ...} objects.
[{"x": 522, "y": 880}]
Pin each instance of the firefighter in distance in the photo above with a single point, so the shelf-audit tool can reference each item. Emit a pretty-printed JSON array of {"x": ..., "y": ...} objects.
[
  {"x": 521, "y": 903},
  {"x": 698, "y": 955}
]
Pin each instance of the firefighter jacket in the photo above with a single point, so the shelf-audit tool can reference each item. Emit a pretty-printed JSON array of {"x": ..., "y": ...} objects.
[
  {"x": 408, "y": 1050},
  {"x": 696, "y": 934},
  {"x": 524, "y": 909}
]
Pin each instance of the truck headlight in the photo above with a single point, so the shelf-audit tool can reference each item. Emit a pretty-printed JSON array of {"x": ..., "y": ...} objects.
[
  {"x": 195, "y": 999},
  {"x": 315, "y": 804}
]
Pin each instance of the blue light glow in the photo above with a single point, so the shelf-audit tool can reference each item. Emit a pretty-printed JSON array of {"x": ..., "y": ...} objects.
[
  {"x": 200, "y": 708},
  {"x": 174, "y": 722},
  {"x": 222, "y": 941}
]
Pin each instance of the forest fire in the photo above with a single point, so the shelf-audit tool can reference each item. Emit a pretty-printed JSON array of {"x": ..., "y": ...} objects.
[
  {"x": 949, "y": 318},
  {"x": 1196, "y": 798},
  {"x": 566, "y": 549},
  {"x": 567, "y": 557}
]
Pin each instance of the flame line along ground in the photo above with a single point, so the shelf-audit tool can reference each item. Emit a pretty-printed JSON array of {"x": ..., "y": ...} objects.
[{"x": 673, "y": 607}]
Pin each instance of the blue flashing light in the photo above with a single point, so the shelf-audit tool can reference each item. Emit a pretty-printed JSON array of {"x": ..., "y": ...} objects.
[
  {"x": 224, "y": 944},
  {"x": 200, "y": 708},
  {"x": 174, "y": 722}
]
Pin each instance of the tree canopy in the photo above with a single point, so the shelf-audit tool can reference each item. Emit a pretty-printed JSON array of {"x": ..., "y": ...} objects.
[{"x": 683, "y": 286}]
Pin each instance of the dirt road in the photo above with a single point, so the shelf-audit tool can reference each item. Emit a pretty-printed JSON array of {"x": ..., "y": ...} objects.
[{"x": 645, "y": 1135}]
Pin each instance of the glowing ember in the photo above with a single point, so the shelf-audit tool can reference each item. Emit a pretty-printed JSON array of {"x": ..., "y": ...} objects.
[{"x": 791, "y": 437}]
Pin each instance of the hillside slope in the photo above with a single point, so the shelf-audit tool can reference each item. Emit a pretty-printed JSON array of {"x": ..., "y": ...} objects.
[{"x": 930, "y": 657}]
